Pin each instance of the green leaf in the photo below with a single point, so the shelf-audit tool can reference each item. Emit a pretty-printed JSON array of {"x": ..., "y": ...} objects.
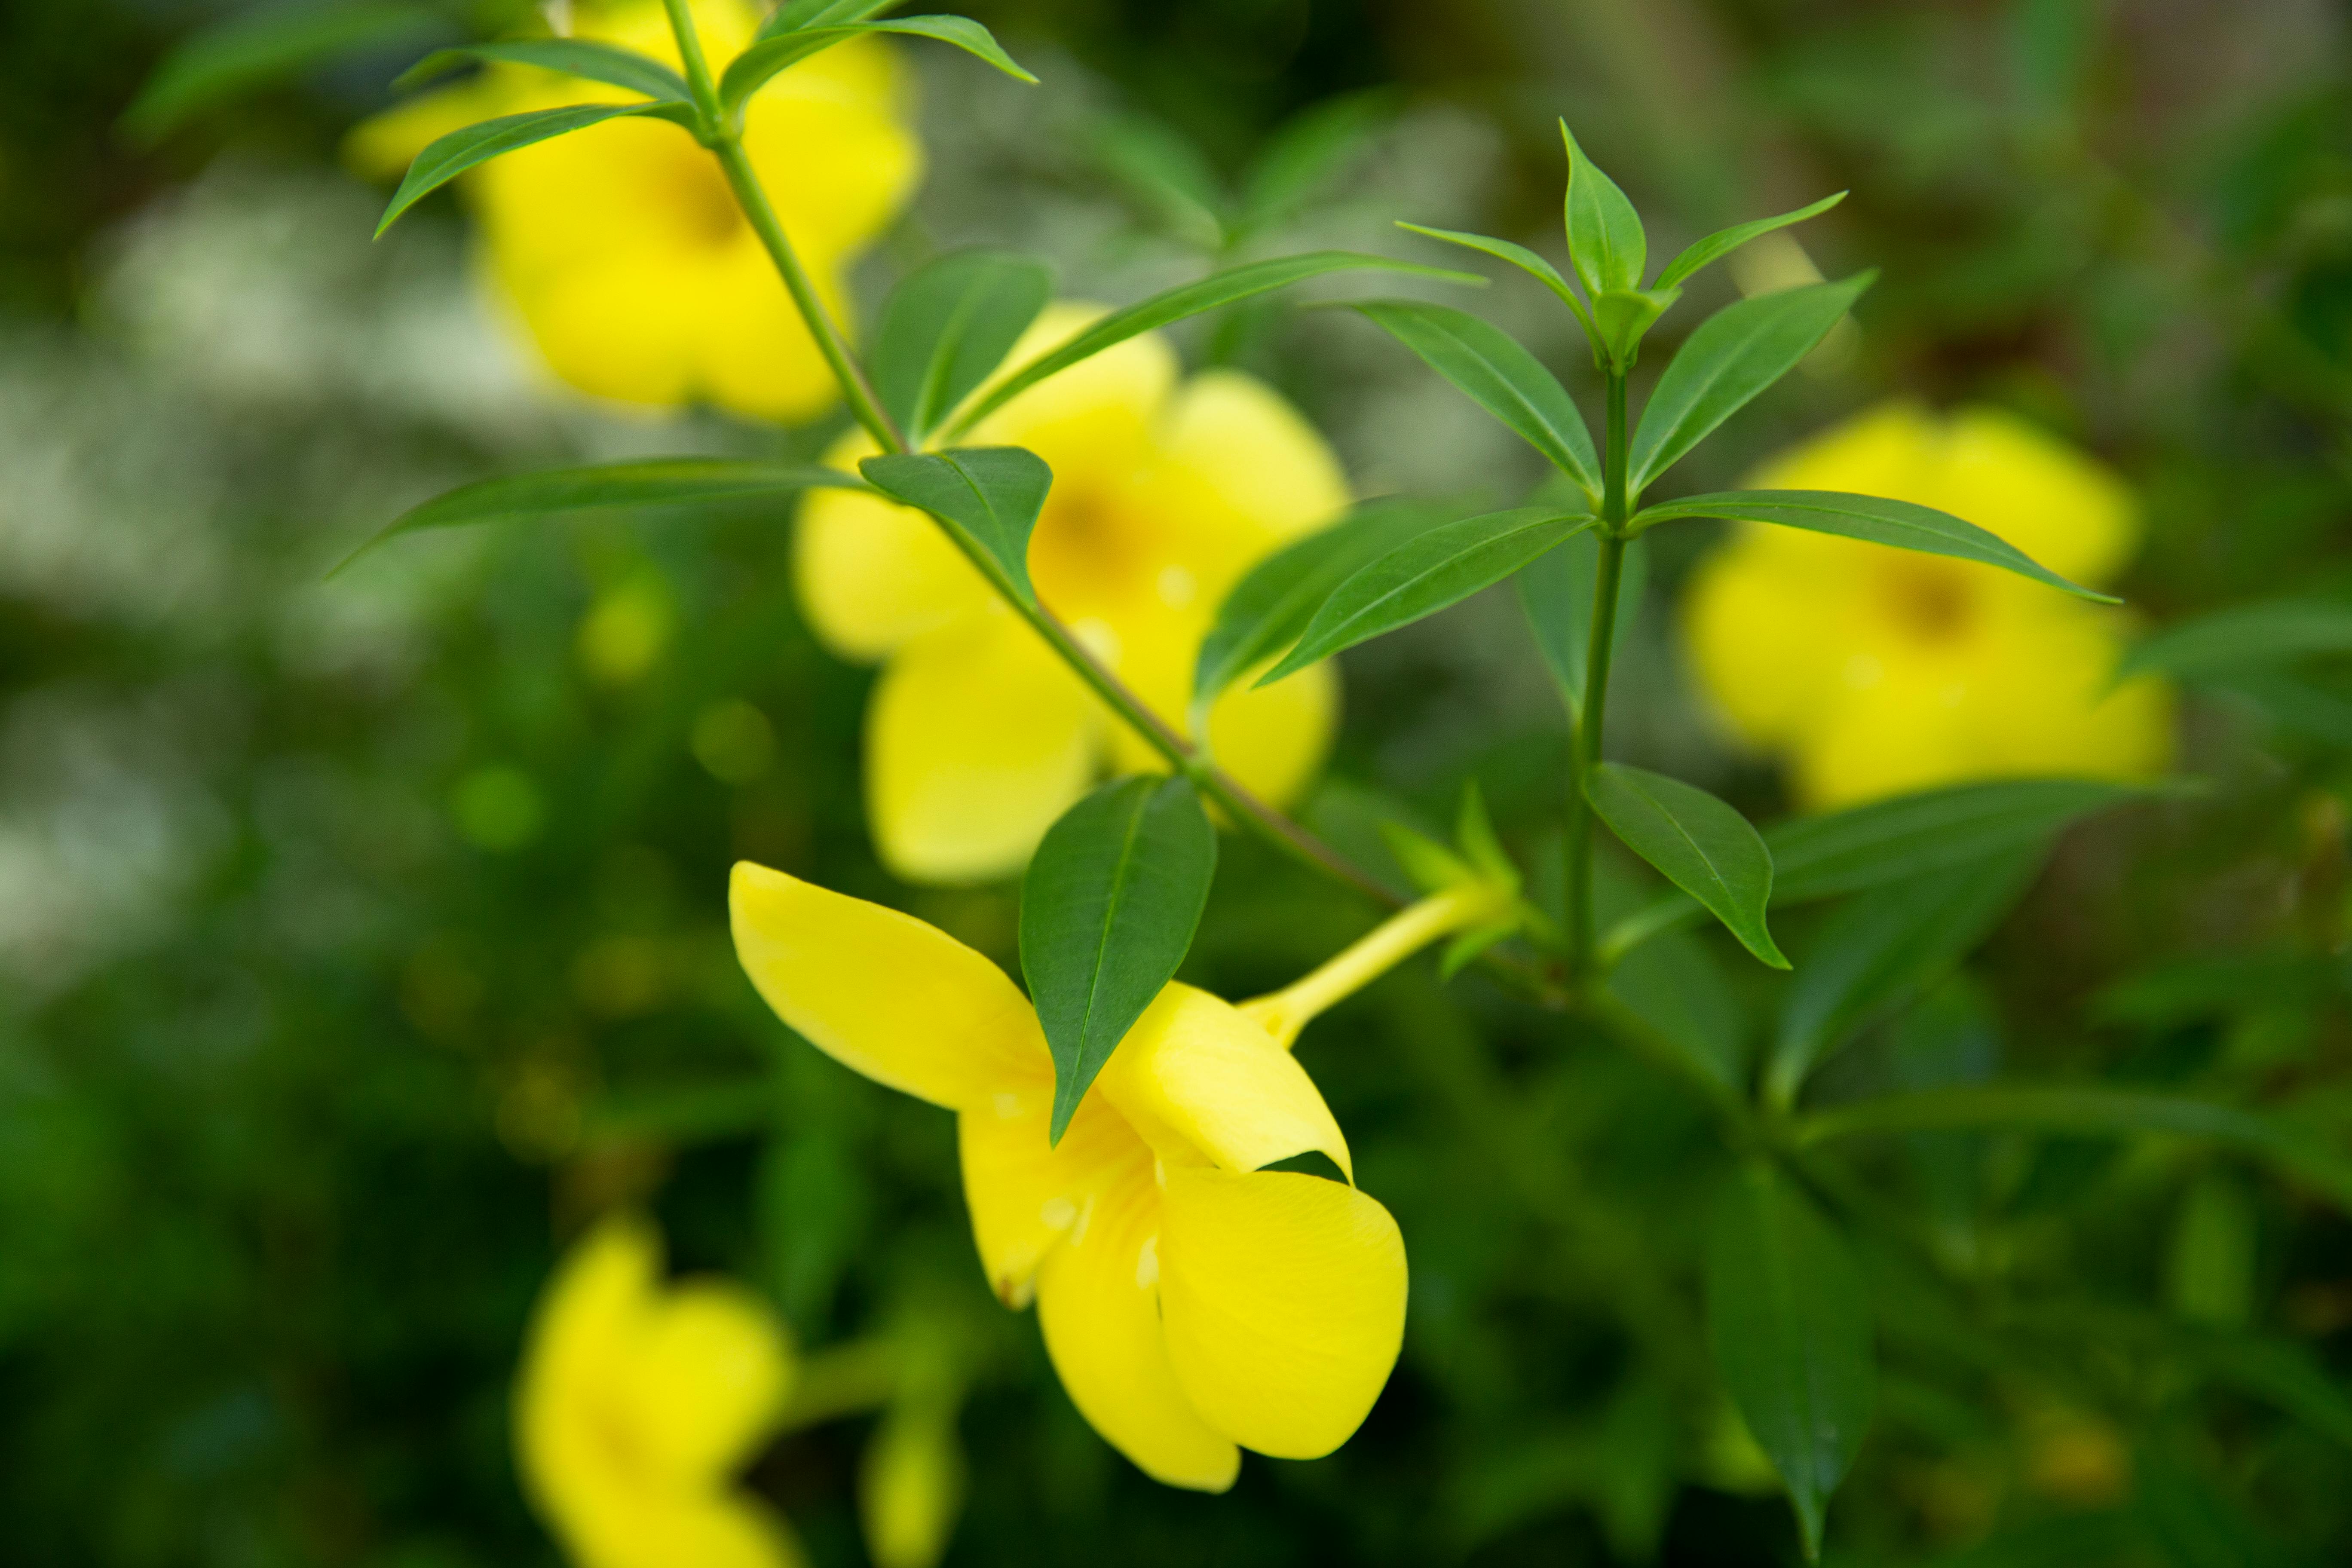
[
  {"x": 654, "y": 482},
  {"x": 1426, "y": 575},
  {"x": 1557, "y": 592},
  {"x": 1308, "y": 152},
  {"x": 757, "y": 66},
  {"x": 2245, "y": 638},
  {"x": 1518, "y": 255},
  {"x": 1732, "y": 357},
  {"x": 1675, "y": 986},
  {"x": 947, "y": 326},
  {"x": 1500, "y": 376},
  {"x": 239, "y": 53},
  {"x": 573, "y": 57},
  {"x": 2210, "y": 1271},
  {"x": 1702, "y": 846},
  {"x": 1884, "y": 950},
  {"x": 1604, "y": 233},
  {"x": 1622, "y": 316},
  {"x": 988, "y": 496},
  {"x": 453, "y": 155},
  {"x": 1168, "y": 176},
  {"x": 1270, "y": 607},
  {"x": 1108, "y": 911},
  {"x": 1723, "y": 242},
  {"x": 1897, "y": 524},
  {"x": 1189, "y": 299},
  {"x": 1788, "y": 1316},
  {"x": 801, "y": 15}
]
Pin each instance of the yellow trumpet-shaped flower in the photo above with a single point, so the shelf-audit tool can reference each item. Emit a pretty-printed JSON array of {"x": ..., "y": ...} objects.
[
  {"x": 1875, "y": 671},
  {"x": 636, "y": 1404},
  {"x": 621, "y": 245},
  {"x": 1165, "y": 491},
  {"x": 1191, "y": 1300}
]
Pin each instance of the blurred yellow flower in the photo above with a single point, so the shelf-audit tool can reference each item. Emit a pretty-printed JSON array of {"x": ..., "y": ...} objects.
[
  {"x": 1166, "y": 490},
  {"x": 1876, "y": 671},
  {"x": 1190, "y": 1299},
  {"x": 637, "y": 1402},
  {"x": 621, "y": 245}
]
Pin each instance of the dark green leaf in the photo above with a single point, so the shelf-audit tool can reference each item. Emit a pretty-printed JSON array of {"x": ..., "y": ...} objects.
[
  {"x": 1884, "y": 950},
  {"x": 1518, "y": 255},
  {"x": 1189, "y": 299},
  {"x": 459, "y": 151},
  {"x": 988, "y": 496},
  {"x": 1604, "y": 233},
  {"x": 950, "y": 324},
  {"x": 239, "y": 53},
  {"x": 1788, "y": 1316},
  {"x": 655, "y": 482},
  {"x": 1426, "y": 574},
  {"x": 1676, "y": 987},
  {"x": 1308, "y": 152},
  {"x": 1702, "y": 846},
  {"x": 1268, "y": 608},
  {"x": 1723, "y": 242},
  {"x": 1500, "y": 376},
  {"x": 573, "y": 57},
  {"x": 1733, "y": 356},
  {"x": 2246, "y": 638},
  {"x": 803, "y": 13},
  {"x": 757, "y": 66},
  {"x": 1558, "y": 593},
  {"x": 1108, "y": 911}
]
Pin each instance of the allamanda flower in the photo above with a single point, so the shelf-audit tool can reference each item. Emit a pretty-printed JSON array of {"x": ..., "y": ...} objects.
[
  {"x": 636, "y": 1404},
  {"x": 1165, "y": 491},
  {"x": 1191, "y": 1300},
  {"x": 622, "y": 246},
  {"x": 1878, "y": 671}
]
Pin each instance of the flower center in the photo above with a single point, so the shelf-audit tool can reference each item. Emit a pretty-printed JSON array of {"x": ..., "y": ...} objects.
[
  {"x": 1930, "y": 601},
  {"x": 1085, "y": 555},
  {"x": 699, "y": 200}
]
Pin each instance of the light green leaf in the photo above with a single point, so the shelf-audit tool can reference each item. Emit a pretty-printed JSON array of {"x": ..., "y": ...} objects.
[
  {"x": 1171, "y": 177},
  {"x": 1270, "y": 607},
  {"x": 1622, "y": 316},
  {"x": 1518, "y": 255},
  {"x": 1308, "y": 150},
  {"x": 1789, "y": 1317},
  {"x": 1500, "y": 376},
  {"x": 1108, "y": 912},
  {"x": 1558, "y": 593},
  {"x": 653, "y": 482},
  {"x": 582, "y": 58},
  {"x": 801, "y": 15},
  {"x": 2210, "y": 1270},
  {"x": 2245, "y": 638},
  {"x": 947, "y": 326},
  {"x": 988, "y": 496},
  {"x": 1426, "y": 575},
  {"x": 453, "y": 155},
  {"x": 1897, "y": 524},
  {"x": 1604, "y": 233},
  {"x": 1701, "y": 845},
  {"x": 1175, "y": 305},
  {"x": 1723, "y": 242},
  {"x": 757, "y": 66},
  {"x": 239, "y": 53},
  {"x": 1732, "y": 357}
]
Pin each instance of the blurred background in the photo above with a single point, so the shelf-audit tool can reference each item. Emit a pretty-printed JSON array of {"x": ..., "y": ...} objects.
[{"x": 360, "y": 939}]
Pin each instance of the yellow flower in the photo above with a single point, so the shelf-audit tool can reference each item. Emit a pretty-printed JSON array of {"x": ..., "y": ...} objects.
[
  {"x": 1877, "y": 671},
  {"x": 636, "y": 1404},
  {"x": 1190, "y": 1299},
  {"x": 1165, "y": 491},
  {"x": 621, "y": 245}
]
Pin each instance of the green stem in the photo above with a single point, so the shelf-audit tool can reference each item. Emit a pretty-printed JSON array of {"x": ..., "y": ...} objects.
[{"x": 1592, "y": 713}]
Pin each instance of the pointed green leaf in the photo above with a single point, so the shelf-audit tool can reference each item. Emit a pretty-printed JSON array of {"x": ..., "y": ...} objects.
[
  {"x": 1270, "y": 607},
  {"x": 1308, "y": 150},
  {"x": 757, "y": 66},
  {"x": 582, "y": 58},
  {"x": 1500, "y": 376},
  {"x": 947, "y": 326},
  {"x": 1169, "y": 176},
  {"x": 453, "y": 155},
  {"x": 1674, "y": 985},
  {"x": 2245, "y": 638},
  {"x": 1175, "y": 305},
  {"x": 1604, "y": 233},
  {"x": 801, "y": 15},
  {"x": 1622, "y": 316},
  {"x": 653, "y": 482},
  {"x": 1723, "y": 242},
  {"x": 1701, "y": 845},
  {"x": 1789, "y": 1317},
  {"x": 1733, "y": 356},
  {"x": 1558, "y": 593},
  {"x": 1108, "y": 912},
  {"x": 1518, "y": 255},
  {"x": 1897, "y": 524},
  {"x": 242, "y": 53},
  {"x": 1426, "y": 575},
  {"x": 988, "y": 496}
]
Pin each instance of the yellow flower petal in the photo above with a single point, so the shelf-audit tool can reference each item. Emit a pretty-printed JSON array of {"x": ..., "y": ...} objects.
[
  {"x": 1275, "y": 739},
  {"x": 1026, "y": 1193},
  {"x": 582, "y": 1325},
  {"x": 1242, "y": 474},
  {"x": 1099, "y": 413},
  {"x": 2074, "y": 515},
  {"x": 881, "y": 992},
  {"x": 1893, "y": 449},
  {"x": 1283, "y": 1299},
  {"x": 1767, "y": 631},
  {"x": 1197, "y": 1079},
  {"x": 706, "y": 1379},
  {"x": 710, "y": 1531},
  {"x": 872, "y": 575},
  {"x": 1098, "y": 1304},
  {"x": 977, "y": 738}
]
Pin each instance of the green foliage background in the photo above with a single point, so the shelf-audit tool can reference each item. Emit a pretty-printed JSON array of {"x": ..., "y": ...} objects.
[{"x": 356, "y": 941}]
